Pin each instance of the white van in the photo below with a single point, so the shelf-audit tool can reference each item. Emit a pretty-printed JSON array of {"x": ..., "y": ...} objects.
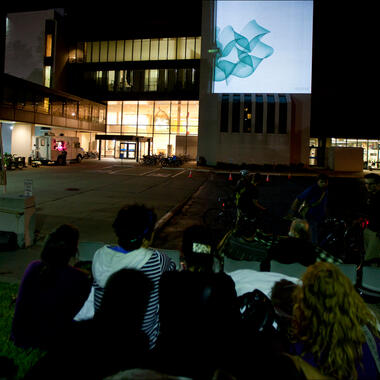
[{"x": 57, "y": 149}]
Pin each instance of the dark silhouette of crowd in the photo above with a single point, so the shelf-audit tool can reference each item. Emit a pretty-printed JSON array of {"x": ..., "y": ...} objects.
[{"x": 143, "y": 316}]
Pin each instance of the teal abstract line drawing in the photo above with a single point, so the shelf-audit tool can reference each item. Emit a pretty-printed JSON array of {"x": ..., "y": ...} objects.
[{"x": 239, "y": 54}]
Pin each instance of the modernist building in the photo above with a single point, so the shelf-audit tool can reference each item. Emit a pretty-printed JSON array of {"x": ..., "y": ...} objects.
[{"x": 150, "y": 83}]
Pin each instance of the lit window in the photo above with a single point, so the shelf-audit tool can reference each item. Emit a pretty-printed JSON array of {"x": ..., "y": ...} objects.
[
  {"x": 49, "y": 45},
  {"x": 47, "y": 76}
]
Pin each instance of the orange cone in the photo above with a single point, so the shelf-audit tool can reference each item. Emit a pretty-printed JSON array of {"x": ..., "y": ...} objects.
[
  {"x": 230, "y": 177},
  {"x": 267, "y": 178},
  {"x": 190, "y": 175}
]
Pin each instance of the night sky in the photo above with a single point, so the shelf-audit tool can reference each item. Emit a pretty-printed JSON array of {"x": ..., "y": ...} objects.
[{"x": 343, "y": 51}]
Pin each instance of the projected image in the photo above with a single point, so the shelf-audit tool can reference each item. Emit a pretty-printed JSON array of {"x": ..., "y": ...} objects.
[
  {"x": 240, "y": 53},
  {"x": 263, "y": 46}
]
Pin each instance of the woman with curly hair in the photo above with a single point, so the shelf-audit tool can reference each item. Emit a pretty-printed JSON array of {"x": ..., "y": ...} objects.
[{"x": 331, "y": 325}]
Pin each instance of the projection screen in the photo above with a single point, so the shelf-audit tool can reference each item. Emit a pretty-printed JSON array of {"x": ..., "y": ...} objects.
[{"x": 263, "y": 47}]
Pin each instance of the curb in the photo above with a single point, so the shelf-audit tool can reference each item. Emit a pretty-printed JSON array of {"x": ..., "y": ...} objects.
[{"x": 175, "y": 210}]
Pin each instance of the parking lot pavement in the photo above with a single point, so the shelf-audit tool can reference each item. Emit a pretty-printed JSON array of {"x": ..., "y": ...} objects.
[{"x": 89, "y": 194}]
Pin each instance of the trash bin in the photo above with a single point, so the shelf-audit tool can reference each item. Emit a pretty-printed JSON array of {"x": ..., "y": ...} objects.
[{"x": 18, "y": 215}]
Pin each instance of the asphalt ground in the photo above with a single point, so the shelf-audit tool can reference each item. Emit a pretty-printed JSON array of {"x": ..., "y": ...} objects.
[{"x": 88, "y": 195}]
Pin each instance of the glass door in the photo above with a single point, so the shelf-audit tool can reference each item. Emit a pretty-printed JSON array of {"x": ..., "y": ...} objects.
[{"x": 128, "y": 150}]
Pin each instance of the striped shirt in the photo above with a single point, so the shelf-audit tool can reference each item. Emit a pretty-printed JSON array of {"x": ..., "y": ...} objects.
[{"x": 153, "y": 269}]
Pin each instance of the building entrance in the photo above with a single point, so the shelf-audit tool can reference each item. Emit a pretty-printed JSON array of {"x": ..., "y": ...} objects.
[{"x": 128, "y": 150}]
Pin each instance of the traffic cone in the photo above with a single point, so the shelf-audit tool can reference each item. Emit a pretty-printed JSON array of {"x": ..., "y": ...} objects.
[
  {"x": 267, "y": 180},
  {"x": 230, "y": 177},
  {"x": 190, "y": 175}
]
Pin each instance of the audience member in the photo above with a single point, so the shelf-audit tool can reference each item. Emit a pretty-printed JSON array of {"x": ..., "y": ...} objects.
[
  {"x": 311, "y": 205},
  {"x": 372, "y": 231},
  {"x": 51, "y": 293},
  {"x": 297, "y": 248},
  {"x": 133, "y": 226},
  {"x": 332, "y": 326},
  {"x": 198, "y": 312},
  {"x": 198, "y": 252},
  {"x": 110, "y": 342}
]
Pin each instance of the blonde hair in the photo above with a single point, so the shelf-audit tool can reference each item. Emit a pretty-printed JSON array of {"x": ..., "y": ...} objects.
[{"x": 328, "y": 319}]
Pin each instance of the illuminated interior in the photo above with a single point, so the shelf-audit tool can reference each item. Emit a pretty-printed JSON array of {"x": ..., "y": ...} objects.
[{"x": 162, "y": 120}]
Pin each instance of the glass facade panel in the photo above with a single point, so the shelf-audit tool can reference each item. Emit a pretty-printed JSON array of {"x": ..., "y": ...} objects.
[
  {"x": 87, "y": 51},
  {"x": 114, "y": 113},
  {"x": 236, "y": 113},
  {"x": 95, "y": 52},
  {"x": 247, "y": 113},
  {"x": 114, "y": 129},
  {"x": 145, "y": 50},
  {"x": 163, "y": 49},
  {"x": 259, "y": 114},
  {"x": 270, "y": 114},
  {"x": 283, "y": 115},
  {"x": 190, "y": 48},
  {"x": 145, "y": 118},
  {"x": 154, "y": 49},
  {"x": 111, "y": 51},
  {"x": 198, "y": 48},
  {"x": 120, "y": 51},
  {"x": 193, "y": 113},
  {"x": 162, "y": 120},
  {"x": 224, "y": 113},
  {"x": 128, "y": 50},
  {"x": 49, "y": 45},
  {"x": 172, "y": 48},
  {"x": 352, "y": 142},
  {"x": 103, "y": 51},
  {"x": 111, "y": 80},
  {"x": 181, "y": 48},
  {"x": 137, "y": 50},
  {"x": 129, "y": 117},
  {"x": 140, "y": 50}
]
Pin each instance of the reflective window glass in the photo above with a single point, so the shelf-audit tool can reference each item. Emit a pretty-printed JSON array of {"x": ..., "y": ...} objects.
[
  {"x": 181, "y": 48},
  {"x": 198, "y": 47},
  {"x": 172, "y": 48},
  {"x": 145, "y": 50},
  {"x": 103, "y": 51},
  {"x": 163, "y": 49},
  {"x": 111, "y": 80},
  {"x": 88, "y": 51},
  {"x": 111, "y": 51},
  {"x": 120, "y": 51},
  {"x": 154, "y": 49},
  {"x": 193, "y": 112},
  {"x": 136, "y": 50},
  {"x": 259, "y": 114},
  {"x": 145, "y": 118},
  {"x": 129, "y": 117},
  {"x": 270, "y": 114},
  {"x": 190, "y": 48},
  {"x": 95, "y": 51},
  {"x": 128, "y": 50},
  {"x": 113, "y": 113},
  {"x": 161, "y": 117}
]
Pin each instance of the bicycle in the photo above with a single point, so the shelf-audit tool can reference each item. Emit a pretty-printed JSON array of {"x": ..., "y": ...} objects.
[
  {"x": 343, "y": 238},
  {"x": 223, "y": 216}
]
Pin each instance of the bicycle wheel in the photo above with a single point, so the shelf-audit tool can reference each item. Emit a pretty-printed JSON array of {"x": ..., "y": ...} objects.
[{"x": 217, "y": 219}]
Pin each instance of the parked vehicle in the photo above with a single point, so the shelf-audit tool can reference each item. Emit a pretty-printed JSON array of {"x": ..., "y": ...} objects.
[
  {"x": 57, "y": 149},
  {"x": 171, "y": 161},
  {"x": 13, "y": 162},
  {"x": 91, "y": 154}
]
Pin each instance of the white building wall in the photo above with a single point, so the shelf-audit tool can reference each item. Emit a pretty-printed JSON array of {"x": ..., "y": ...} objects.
[
  {"x": 25, "y": 44},
  {"x": 22, "y": 139}
]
